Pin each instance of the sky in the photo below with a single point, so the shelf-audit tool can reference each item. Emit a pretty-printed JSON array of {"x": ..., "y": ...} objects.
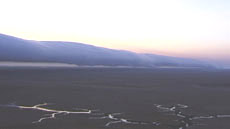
[{"x": 184, "y": 28}]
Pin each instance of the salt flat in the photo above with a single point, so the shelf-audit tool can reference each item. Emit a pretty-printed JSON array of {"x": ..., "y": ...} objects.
[{"x": 121, "y": 98}]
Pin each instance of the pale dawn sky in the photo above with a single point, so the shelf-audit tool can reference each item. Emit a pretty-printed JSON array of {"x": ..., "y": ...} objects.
[{"x": 185, "y": 28}]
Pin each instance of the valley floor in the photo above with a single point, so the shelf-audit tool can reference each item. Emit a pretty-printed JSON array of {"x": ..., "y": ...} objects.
[{"x": 108, "y": 98}]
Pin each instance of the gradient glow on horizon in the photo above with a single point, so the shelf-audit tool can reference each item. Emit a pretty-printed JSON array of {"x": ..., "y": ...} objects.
[{"x": 184, "y": 28}]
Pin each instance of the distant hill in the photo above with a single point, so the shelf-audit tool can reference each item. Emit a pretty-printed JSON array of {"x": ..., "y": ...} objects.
[{"x": 16, "y": 49}]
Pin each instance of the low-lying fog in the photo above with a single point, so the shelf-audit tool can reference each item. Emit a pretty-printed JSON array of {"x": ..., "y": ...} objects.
[{"x": 35, "y": 64}]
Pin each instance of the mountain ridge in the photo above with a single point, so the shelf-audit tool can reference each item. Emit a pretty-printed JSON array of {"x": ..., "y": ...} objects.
[{"x": 17, "y": 49}]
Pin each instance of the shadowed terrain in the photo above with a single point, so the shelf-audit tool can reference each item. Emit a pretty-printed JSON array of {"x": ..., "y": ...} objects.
[{"x": 109, "y": 98}]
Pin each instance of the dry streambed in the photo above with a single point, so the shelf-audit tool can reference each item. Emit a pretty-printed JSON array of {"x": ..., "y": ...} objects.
[{"x": 183, "y": 120}]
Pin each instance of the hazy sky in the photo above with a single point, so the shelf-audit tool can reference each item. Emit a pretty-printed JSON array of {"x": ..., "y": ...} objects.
[{"x": 187, "y": 28}]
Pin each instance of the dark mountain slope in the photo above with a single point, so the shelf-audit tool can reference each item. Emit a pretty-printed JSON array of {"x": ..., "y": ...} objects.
[{"x": 16, "y": 49}]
